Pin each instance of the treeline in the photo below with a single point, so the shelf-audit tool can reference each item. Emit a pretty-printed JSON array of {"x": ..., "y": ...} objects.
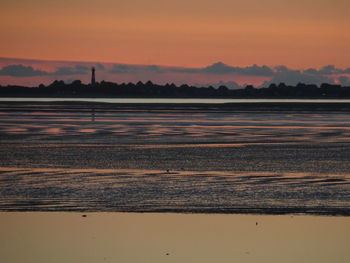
[{"x": 148, "y": 89}]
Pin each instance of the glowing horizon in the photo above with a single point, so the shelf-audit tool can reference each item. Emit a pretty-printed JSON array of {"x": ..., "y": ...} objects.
[{"x": 298, "y": 34}]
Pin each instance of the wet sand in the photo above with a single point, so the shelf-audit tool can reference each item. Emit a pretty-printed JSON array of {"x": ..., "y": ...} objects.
[
  {"x": 323, "y": 158},
  {"x": 184, "y": 158},
  {"x": 113, "y": 190},
  {"x": 152, "y": 238}
]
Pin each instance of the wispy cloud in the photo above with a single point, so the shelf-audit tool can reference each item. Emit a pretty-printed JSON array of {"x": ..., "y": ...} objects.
[
  {"x": 21, "y": 71},
  {"x": 288, "y": 76},
  {"x": 344, "y": 80},
  {"x": 28, "y": 71},
  {"x": 74, "y": 70},
  {"x": 221, "y": 68},
  {"x": 216, "y": 68}
]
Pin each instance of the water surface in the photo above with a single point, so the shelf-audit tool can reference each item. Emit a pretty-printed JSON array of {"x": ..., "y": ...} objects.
[
  {"x": 172, "y": 100},
  {"x": 175, "y": 160}
]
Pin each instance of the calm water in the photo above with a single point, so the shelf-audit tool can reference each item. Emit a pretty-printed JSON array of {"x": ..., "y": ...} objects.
[
  {"x": 203, "y": 161},
  {"x": 169, "y": 100}
]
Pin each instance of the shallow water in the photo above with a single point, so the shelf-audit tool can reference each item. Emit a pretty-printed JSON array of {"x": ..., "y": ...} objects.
[
  {"x": 172, "y": 100},
  {"x": 173, "y": 127},
  {"x": 217, "y": 162}
]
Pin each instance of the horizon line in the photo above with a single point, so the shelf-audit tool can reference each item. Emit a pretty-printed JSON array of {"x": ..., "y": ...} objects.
[{"x": 161, "y": 65}]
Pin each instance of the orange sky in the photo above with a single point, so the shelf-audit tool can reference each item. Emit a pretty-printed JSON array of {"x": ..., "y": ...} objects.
[{"x": 192, "y": 33}]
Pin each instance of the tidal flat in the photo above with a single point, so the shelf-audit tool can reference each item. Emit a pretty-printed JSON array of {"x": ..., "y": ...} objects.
[
  {"x": 78, "y": 156},
  {"x": 104, "y": 182}
]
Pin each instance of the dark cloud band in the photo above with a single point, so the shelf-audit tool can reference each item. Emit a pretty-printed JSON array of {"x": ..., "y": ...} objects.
[{"x": 281, "y": 74}]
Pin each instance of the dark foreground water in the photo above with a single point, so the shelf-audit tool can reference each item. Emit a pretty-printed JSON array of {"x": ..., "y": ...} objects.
[{"x": 178, "y": 160}]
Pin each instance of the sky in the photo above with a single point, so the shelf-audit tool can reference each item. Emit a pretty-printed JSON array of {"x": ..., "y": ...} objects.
[{"x": 298, "y": 34}]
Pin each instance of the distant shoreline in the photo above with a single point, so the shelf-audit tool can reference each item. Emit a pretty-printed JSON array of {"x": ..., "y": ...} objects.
[
  {"x": 151, "y": 90},
  {"x": 154, "y": 104}
]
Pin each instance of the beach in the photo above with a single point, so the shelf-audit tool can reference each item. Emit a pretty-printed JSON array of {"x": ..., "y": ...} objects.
[{"x": 128, "y": 237}]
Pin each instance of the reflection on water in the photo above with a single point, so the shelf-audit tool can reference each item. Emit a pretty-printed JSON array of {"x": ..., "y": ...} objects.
[
  {"x": 165, "y": 127},
  {"x": 172, "y": 191},
  {"x": 223, "y": 162},
  {"x": 171, "y": 100}
]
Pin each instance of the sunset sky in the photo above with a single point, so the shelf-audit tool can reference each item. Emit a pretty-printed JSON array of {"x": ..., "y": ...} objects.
[{"x": 299, "y": 34}]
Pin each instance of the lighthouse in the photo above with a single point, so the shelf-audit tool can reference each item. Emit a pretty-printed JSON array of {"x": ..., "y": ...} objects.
[{"x": 93, "y": 81}]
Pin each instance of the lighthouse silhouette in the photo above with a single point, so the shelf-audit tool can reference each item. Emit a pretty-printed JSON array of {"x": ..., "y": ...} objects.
[{"x": 93, "y": 81}]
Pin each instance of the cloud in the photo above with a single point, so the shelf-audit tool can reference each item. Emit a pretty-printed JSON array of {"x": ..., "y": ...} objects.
[
  {"x": 100, "y": 66},
  {"x": 292, "y": 77},
  {"x": 257, "y": 71},
  {"x": 347, "y": 71},
  {"x": 329, "y": 70},
  {"x": 28, "y": 71},
  {"x": 21, "y": 71},
  {"x": 216, "y": 68},
  {"x": 155, "y": 68},
  {"x": 221, "y": 68},
  {"x": 228, "y": 84},
  {"x": 132, "y": 69},
  {"x": 326, "y": 70},
  {"x": 76, "y": 70},
  {"x": 123, "y": 69},
  {"x": 211, "y": 74},
  {"x": 344, "y": 81}
]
